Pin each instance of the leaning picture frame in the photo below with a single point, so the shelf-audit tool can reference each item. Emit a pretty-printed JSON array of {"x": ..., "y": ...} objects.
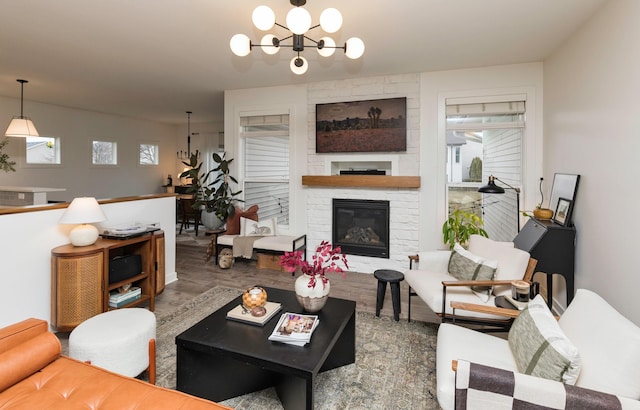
[{"x": 562, "y": 216}]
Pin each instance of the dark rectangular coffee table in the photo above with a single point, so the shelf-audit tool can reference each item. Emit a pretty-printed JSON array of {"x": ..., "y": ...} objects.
[{"x": 218, "y": 358}]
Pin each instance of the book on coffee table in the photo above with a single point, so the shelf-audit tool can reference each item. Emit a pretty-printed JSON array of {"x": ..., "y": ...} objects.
[
  {"x": 240, "y": 314},
  {"x": 294, "y": 328}
]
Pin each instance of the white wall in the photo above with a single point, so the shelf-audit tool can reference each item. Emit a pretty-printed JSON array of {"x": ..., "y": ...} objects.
[
  {"x": 481, "y": 83},
  {"x": 419, "y": 212},
  {"x": 76, "y": 129},
  {"x": 25, "y": 251},
  {"x": 591, "y": 110}
]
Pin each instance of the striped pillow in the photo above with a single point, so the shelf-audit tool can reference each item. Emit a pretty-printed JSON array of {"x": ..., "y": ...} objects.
[
  {"x": 464, "y": 265},
  {"x": 539, "y": 346}
]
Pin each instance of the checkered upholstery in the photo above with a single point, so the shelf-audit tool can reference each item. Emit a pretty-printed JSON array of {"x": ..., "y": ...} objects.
[{"x": 480, "y": 387}]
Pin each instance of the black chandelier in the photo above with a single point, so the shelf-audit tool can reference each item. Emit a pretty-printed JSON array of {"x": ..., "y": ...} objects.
[
  {"x": 298, "y": 24},
  {"x": 186, "y": 155}
]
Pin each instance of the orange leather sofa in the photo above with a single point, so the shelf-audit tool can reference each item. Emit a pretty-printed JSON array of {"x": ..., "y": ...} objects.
[{"x": 34, "y": 375}]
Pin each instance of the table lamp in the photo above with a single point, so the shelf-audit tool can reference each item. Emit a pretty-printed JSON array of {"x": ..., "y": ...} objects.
[{"x": 83, "y": 211}]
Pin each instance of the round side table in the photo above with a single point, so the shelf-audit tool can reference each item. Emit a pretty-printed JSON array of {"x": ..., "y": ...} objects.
[{"x": 393, "y": 277}]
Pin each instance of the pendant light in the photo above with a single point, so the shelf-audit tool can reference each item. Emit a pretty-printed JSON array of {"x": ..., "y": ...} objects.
[{"x": 21, "y": 126}]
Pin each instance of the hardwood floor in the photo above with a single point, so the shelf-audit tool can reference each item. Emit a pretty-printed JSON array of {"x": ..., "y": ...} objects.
[{"x": 195, "y": 277}]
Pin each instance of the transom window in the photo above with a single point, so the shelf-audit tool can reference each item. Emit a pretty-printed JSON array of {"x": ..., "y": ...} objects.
[
  {"x": 43, "y": 150},
  {"x": 105, "y": 153}
]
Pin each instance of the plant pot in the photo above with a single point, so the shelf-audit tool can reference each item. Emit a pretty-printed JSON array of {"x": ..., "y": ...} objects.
[
  {"x": 312, "y": 299},
  {"x": 542, "y": 213},
  {"x": 210, "y": 220}
]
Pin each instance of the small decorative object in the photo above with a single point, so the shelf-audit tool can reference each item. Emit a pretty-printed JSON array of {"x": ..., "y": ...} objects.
[
  {"x": 541, "y": 213},
  {"x": 312, "y": 287},
  {"x": 255, "y": 297},
  {"x": 563, "y": 212},
  {"x": 225, "y": 258}
]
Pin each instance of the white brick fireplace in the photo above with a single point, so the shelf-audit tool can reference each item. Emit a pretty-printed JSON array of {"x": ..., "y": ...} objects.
[
  {"x": 403, "y": 225},
  {"x": 404, "y": 203}
]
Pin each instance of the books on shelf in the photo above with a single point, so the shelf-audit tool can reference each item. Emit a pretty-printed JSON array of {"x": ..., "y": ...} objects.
[
  {"x": 294, "y": 328},
  {"x": 239, "y": 313},
  {"x": 119, "y": 299}
]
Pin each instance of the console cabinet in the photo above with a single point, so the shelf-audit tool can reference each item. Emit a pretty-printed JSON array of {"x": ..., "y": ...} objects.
[{"x": 80, "y": 277}]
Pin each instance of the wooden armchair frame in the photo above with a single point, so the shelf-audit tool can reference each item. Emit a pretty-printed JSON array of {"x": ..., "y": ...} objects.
[{"x": 487, "y": 324}]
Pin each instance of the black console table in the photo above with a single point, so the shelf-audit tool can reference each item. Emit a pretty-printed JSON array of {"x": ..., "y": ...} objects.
[{"x": 553, "y": 246}]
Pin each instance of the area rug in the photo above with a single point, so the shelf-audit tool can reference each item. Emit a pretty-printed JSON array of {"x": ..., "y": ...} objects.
[{"x": 394, "y": 368}]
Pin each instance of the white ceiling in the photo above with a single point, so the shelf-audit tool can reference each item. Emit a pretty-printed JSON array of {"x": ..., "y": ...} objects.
[{"x": 156, "y": 59}]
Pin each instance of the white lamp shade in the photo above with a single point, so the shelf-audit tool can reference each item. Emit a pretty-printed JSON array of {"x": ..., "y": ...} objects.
[
  {"x": 240, "y": 45},
  {"x": 299, "y": 70},
  {"x": 355, "y": 48},
  {"x": 298, "y": 20},
  {"x": 83, "y": 210},
  {"x": 21, "y": 127},
  {"x": 331, "y": 20},
  {"x": 328, "y": 48},
  {"x": 263, "y": 18},
  {"x": 267, "y": 44}
]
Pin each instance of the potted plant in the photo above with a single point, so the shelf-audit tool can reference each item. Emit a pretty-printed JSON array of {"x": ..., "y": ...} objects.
[
  {"x": 312, "y": 287},
  {"x": 215, "y": 198},
  {"x": 460, "y": 226}
]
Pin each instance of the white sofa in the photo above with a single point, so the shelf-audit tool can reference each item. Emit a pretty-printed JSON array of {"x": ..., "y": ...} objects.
[
  {"x": 426, "y": 281},
  {"x": 607, "y": 342}
]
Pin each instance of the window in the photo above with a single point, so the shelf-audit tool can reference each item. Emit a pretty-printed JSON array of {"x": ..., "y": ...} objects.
[
  {"x": 105, "y": 153},
  {"x": 43, "y": 150},
  {"x": 485, "y": 139},
  {"x": 265, "y": 141},
  {"x": 149, "y": 154}
]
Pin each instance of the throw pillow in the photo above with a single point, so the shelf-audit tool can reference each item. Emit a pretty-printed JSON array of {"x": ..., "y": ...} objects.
[
  {"x": 539, "y": 346},
  {"x": 249, "y": 227},
  {"x": 464, "y": 265},
  {"x": 233, "y": 221}
]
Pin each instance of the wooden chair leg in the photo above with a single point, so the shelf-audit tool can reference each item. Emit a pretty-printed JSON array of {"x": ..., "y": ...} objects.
[{"x": 152, "y": 361}]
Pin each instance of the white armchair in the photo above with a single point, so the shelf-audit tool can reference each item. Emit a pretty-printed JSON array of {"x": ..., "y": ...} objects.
[
  {"x": 432, "y": 282},
  {"x": 608, "y": 345}
]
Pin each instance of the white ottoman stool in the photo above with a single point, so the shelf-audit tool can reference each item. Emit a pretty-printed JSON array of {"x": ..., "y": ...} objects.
[{"x": 122, "y": 341}]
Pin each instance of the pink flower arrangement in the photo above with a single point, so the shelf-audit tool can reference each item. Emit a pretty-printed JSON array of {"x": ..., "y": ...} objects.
[{"x": 325, "y": 260}]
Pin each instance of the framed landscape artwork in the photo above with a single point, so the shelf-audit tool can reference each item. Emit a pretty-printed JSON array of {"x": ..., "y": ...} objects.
[{"x": 362, "y": 126}]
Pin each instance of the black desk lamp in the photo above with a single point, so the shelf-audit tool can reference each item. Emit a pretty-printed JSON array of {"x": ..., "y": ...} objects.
[{"x": 492, "y": 188}]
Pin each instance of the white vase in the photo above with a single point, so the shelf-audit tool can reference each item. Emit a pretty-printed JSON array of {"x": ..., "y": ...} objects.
[{"x": 311, "y": 299}]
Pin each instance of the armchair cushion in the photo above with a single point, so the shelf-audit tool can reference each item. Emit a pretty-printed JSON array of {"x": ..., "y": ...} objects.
[
  {"x": 512, "y": 262},
  {"x": 540, "y": 347},
  {"x": 457, "y": 342},
  {"x": 609, "y": 345},
  {"x": 464, "y": 265}
]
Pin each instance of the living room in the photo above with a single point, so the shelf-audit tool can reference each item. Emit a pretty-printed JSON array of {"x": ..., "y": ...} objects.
[{"x": 580, "y": 119}]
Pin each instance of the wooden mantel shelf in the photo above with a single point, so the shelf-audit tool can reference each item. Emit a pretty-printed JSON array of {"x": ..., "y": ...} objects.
[{"x": 362, "y": 181}]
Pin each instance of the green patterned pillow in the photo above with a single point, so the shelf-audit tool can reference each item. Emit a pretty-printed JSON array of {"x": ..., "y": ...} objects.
[
  {"x": 464, "y": 265},
  {"x": 539, "y": 346}
]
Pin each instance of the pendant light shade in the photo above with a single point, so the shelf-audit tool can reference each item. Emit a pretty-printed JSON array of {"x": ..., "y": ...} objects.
[
  {"x": 299, "y": 65},
  {"x": 298, "y": 20},
  {"x": 21, "y": 126},
  {"x": 263, "y": 18},
  {"x": 331, "y": 20}
]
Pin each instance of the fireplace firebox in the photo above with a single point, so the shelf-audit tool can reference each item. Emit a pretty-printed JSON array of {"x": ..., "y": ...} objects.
[{"x": 361, "y": 227}]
